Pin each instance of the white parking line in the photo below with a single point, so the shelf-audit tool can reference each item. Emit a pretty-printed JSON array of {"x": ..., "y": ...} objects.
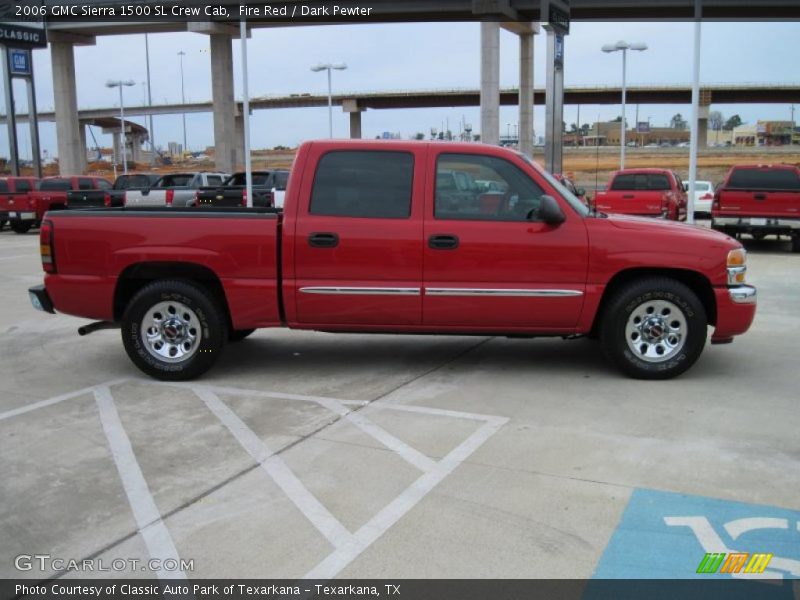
[
  {"x": 14, "y": 256},
  {"x": 306, "y": 502},
  {"x": 148, "y": 518},
  {"x": 347, "y": 546}
]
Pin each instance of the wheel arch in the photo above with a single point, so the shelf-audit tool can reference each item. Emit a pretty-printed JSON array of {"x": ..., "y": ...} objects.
[
  {"x": 694, "y": 280},
  {"x": 134, "y": 277}
]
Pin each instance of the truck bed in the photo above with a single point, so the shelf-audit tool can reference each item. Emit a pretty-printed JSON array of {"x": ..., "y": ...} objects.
[{"x": 244, "y": 256}]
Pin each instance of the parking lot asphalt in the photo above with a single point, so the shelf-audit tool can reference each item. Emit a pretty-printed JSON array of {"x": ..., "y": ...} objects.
[{"x": 311, "y": 454}]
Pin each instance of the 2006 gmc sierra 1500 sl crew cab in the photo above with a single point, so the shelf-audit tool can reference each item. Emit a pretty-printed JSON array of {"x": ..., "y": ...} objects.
[{"x": 367, "y": 242}]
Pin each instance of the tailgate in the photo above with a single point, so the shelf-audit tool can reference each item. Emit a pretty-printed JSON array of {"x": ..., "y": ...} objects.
[
  {"x": 227, "y": 198},
  {"x": 633, "y": 202},
  {"x": 146, "y": 198},
  {"x": 87, "y": 199},
  {"x": 766, "y": 203}
]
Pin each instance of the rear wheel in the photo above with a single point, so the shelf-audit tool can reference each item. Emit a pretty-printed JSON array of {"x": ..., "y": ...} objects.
[
  {"x": 796, "y": 243},
  {"x": 758, "y": 235},
  {"x": 654, "y": 328},
  {"x": 173, "y": 330},
  {"x": 21, "y": 226},
  {"x": 2, "y": 224}
]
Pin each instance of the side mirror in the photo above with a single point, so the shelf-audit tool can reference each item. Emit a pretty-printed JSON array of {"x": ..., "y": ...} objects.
[
  {"x": 580, "y": 192},
  {"x": 550, "y": 212}
]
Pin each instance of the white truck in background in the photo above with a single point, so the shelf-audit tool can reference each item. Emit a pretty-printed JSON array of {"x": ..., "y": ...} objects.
[{"x": 174, "y": 189}]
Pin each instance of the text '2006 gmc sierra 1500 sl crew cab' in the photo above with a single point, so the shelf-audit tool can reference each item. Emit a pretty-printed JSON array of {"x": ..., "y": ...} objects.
[{"x": 368, "y": 241}]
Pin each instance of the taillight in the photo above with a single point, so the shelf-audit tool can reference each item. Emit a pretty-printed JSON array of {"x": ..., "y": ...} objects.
[
  {"x": 47, "y": 247},
  {"x": 244, "y": 197},
  {"x": 707, "y": 196},
  {"x": 197, "y": 198},
  {"x": 107, "y": 199},
  {"x": 715, "y": 204},
  {"x": 170, "y": 197}
]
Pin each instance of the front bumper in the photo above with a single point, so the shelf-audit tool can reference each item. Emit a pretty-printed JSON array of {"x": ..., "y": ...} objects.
[
  {"x": 40, "y": 299},
  {"x": 736, "y": 309}
]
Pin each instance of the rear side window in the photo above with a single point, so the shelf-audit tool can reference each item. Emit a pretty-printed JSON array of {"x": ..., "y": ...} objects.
[
  {"x": 175, "y": 181},
  {"x": 55, "y": 185},
  {"x": 102, "y": 184},
  {"x": 369, "y": 184},
  {"x": 640, "y": 182},
  {"x": 23, "y": 185},
  {"x": 764, "y": 179},
  {"x": 3, "y": 185}
]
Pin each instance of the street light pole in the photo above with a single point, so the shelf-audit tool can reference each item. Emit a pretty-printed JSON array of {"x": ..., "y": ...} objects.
[
  {"x": 124, "y": 143},
  {"x": 183, "y": 101},
  {"x": 623, "y": 47},
  {"x": 151, "y": 135},
  {"x": 328, "y": 67}
]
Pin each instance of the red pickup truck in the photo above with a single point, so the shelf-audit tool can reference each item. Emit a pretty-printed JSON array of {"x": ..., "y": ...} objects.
[
  {"x": 645, "y": 193},
  {"x": 368, "y": 241},
  {"x": 760, "y": 200},
  {"x": 50, "y": 195},
  {"x": 14, "y": 197}
]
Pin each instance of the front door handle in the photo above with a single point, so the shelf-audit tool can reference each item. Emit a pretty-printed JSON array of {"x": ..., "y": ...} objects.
[
  {"x": 628, "y": 196},
  {"x": 323, "y": 240},
  {"x": 443, "y": 242},
  {"x": 760, "y": 196}
]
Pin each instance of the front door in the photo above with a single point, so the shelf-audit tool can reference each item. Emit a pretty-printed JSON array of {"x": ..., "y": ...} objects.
[{"x": 490, "y": 264}]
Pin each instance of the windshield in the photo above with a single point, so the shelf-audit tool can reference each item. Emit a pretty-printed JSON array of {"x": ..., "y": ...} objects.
[{"x": 571, "y": 198}]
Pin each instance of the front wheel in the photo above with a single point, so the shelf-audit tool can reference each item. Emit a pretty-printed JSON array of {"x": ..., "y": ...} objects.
[
  {"x": 654, "y": 328},
  {"x": 174, "y": 330}
]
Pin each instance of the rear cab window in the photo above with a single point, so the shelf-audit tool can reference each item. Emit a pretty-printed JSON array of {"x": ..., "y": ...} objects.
[
  {"x": 23, "y": 185},
  {"x": 373, "y": 184},
  {"x": 764, "y": 179},
  {"x": 55, "y": 185},
  {"x": 640, "y": 182}
]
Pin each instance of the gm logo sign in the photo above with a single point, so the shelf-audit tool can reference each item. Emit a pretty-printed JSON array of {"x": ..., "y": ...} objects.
[
  {"x": 734, "y": 562},
  {"x": 19, "y": 62}
]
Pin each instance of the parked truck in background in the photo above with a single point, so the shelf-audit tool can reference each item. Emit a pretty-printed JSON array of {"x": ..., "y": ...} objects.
[
  {"x": 644, "y": 193},
  {"x": 369, "y": 241},
  {"x": 14, "y": 197},
  {"x": 113, "y": 197},
  {"x": 50, "y": 194},
  {"x": 233, "y": 191},
  {"x": 173, "y": 190},
  {"x": 760, "y": 200}
]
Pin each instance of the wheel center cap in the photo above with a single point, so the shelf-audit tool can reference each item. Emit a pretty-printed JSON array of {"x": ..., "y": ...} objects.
[{"x": 173, "y": 330}]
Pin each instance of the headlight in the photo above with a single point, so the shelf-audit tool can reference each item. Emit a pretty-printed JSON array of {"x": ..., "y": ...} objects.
[{"x": 737, "y": 266}]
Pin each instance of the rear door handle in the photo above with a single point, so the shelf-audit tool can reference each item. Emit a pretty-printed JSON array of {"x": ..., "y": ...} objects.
[
  {"x": 760, "y": 196},
  {"x": 323, "y": 240},
  {"x": 443, "y": 242},
  {"x": 628, "y": 196}
]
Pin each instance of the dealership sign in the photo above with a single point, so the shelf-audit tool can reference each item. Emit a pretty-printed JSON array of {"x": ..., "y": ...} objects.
[{"x": 12, "y": 34}]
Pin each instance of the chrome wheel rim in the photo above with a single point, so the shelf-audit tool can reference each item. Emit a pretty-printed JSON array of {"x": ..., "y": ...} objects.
[
  {"x": 171, "y": 332},
  {"x": 656, "y": 331}
]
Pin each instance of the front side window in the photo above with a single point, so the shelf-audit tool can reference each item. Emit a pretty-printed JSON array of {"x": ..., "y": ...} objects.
[
  {"x": 102, "y": 184},
  {"x": 485, "y": 188},
  {"x": 368, "y": 184}
]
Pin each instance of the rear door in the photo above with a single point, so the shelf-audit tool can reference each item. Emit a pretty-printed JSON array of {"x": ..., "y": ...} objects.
[
  {"x": 761, "y": 192},
  {"x": 358, "y": 238},
  {"x": 490, "y": 263}
]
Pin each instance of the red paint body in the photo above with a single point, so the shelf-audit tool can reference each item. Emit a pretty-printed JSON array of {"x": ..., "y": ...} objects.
[
  {"x": 264, "y": 259},
  {"x": 668, "y": 204}
]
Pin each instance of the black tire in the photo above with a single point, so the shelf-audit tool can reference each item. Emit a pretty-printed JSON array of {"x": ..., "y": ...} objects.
[
  {"x": 641, "y": 359},
  {"x": 20, "y": 226},
  {"x": 758, "y": 235},
  {"x": 237, "y": 335},
  {"x": 2, "y": 224},
  {"x": 796, "y": 243},
  {"x": 213, "y": 330}
]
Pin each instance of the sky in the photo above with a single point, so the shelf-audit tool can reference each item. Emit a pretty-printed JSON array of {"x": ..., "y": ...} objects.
[{"x": 410, "y": 57}]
